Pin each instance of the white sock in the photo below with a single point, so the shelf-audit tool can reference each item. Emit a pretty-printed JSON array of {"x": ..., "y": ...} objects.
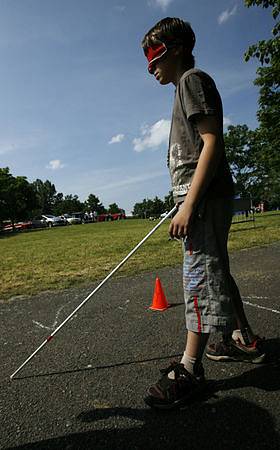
[{"x": 188, "y": 362}]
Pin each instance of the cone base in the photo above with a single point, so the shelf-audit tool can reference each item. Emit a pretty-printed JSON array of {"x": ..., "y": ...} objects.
[{"x": 159, "y": 309}]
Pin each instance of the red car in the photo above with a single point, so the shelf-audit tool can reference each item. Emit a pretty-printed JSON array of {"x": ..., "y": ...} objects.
[
  {"x": 19, "y": 226},
  {"x": 118, "y": 216},
  {"x": 102, "y": 218},
  {"x": 107, "y": 217}
]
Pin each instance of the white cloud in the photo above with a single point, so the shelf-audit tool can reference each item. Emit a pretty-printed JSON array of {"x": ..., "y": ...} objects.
[
  {"x": 226, "y": 15},
  {"x": 233, "y": 80},
  {"x": 7, "y": 146},
  {"x": 163, "y": 4},
  {"x": 55, "y": 164},
  {"x": 113, "y": 180},
  {"x": 131, "y": 180},
  {"x": 20, "y": 143},
  {"x": 153, "y": 136},
  {"x": 227, "y": 121},
  {"x": 116, "y": 139},
  {"x": 119, "y": 8}
]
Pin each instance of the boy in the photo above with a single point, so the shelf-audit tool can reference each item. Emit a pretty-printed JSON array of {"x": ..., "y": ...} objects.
[{"x": 203, "y": 190}]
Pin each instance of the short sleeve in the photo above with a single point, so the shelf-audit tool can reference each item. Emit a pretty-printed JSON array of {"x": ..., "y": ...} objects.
[{"x": 198, "y": 95}]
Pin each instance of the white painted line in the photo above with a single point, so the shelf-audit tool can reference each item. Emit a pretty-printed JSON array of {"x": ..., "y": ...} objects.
[
  {"x": 40, "y": 325},
  {"x": 52, "y": 327},
  {"x": 261, "y": 307},
  {"x": 56, "y": 317}
]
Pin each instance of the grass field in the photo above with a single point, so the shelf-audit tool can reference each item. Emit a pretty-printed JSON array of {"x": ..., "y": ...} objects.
[{"x": 62, "y": 257}]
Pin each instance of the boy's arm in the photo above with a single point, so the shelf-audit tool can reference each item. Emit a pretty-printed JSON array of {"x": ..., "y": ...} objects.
[{"x": 208, "y": 127}]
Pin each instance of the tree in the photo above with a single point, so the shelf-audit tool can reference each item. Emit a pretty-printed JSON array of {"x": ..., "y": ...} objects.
[
  {"x": 113, "y": 208},
  {"x": 267, "y": 50},
  {"x": 268, "y": 79},
  {"x": 169, "y": 201},
  {"x": 6, "y": 180},
  {"x": 157, "y": 207},
  {"x": 17, "y": 197},
  {"x": 240, "y": 154},
  {"x": 142, "y": 209},
  {"x": 149, "y": 208},
  {"x": 93, "y": 204},
  {"x": 70, "y": 204},
  {"x": 267, "y": 168},
  {"x": 58, "y": 202},
  {"x": 46, "y": 195}
]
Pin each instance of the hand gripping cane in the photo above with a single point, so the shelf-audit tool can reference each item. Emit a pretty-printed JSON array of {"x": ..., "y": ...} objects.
[{"x": 49, "y": 338}]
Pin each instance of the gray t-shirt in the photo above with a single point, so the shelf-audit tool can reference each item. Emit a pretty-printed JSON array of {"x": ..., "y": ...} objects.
[{"x": 196, "y": 93}]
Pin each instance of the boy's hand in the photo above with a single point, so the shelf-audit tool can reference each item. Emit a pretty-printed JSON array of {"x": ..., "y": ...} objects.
[{"x": 180, "y": 224}]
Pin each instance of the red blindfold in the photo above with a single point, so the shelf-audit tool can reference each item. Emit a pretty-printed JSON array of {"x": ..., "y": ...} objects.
[{"x": 154, "y": 53}]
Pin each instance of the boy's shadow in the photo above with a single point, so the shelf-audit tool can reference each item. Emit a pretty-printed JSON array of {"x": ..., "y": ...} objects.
[
  {"x": 230, "y": 423},
  {"x": 265, "y": 376},
  {"x": 227, "y": 423},
  {"x": 220, "y": 421},
  {"x": 211, "y": 422}
]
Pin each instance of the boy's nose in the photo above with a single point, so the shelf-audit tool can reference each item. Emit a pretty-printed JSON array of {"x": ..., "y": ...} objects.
[{"x": 151, "y": 68}]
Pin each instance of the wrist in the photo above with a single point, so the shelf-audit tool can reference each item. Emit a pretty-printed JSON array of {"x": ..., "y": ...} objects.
[{"x": 189, "y": 203}]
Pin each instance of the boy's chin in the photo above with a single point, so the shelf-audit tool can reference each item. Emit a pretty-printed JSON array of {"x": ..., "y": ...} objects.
[{"x": 164, "y": 82}]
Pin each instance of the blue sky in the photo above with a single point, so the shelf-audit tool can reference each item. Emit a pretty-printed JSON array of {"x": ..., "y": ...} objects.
[{"x": 78, "y": 106}]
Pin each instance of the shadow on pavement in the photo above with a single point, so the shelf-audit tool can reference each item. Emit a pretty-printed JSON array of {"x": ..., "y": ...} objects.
[
  {"x": 107, "y": 366},
  {"x": 271, "y": 347},
  {"x": 266, "y": 377},
  {"x": 210, "y": 423},
  {"x": 230, "y": 423},
  {"x": 263, "y": 376}
]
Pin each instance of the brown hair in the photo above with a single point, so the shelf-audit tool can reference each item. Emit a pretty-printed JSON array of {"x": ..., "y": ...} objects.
[{"x": 172, "y": 32}]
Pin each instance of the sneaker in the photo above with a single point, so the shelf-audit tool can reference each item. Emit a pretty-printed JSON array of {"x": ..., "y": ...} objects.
[
  {"x": 170, "y": 393},
  {"x": 232, "y": 350}
]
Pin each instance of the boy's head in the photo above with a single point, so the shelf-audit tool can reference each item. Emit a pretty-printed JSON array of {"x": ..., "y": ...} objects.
[{"x": 169, "y": 33}]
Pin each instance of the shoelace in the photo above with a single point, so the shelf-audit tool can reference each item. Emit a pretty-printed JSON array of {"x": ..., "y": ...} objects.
[{"x": 176, "y": 367}]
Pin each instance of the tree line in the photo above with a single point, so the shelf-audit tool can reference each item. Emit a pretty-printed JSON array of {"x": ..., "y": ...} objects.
[
  {"x": 254, "y": 165},
  {"x": 153, "y": 208},
  {"x": 22, "y": 200}
]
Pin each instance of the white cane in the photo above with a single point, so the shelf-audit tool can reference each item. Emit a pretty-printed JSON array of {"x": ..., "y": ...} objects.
[{"x": 49, "y": 338}]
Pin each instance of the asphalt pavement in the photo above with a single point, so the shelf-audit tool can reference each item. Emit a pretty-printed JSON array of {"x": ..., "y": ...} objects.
[{"x": 85, "y": 389}]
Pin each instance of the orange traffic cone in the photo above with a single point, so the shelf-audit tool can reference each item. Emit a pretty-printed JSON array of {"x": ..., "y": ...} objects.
[{"x": 159, "y": 299}]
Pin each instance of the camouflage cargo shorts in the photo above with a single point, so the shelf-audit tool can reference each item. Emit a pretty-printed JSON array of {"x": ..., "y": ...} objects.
[{"x": 208, "y": 285}]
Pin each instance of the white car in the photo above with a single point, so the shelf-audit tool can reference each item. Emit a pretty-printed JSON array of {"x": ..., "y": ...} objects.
[
  {"x": 72, "y": 219},
  {"x": 52, "y": 221}
]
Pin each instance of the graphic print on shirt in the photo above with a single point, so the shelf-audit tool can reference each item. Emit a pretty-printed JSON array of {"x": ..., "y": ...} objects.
[{"x": 176, "y": 163}]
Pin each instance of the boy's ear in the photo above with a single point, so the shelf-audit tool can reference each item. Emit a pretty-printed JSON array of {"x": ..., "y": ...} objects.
[{"x": 178, "y": 51}]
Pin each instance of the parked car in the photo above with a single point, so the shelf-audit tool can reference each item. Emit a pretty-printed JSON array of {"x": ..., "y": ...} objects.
[
  {"x": 118, "y": 216},
  {"x": 103, "y": 217},
  {"x": 110, "y": 216},
  {"x": 85, "y": 217},
  {"x": 72, "y": 219},
  {"x": 52, "y": 221},
  {"x": 47, "y": 220},
  {"x": 38, "y": 222},
  {"x": 19, "y": 226}
]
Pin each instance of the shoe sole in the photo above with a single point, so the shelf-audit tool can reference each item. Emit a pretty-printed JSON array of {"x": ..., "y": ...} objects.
[
  {"x": 152, "y": 401},
  {"x": 258, "y": 360}
]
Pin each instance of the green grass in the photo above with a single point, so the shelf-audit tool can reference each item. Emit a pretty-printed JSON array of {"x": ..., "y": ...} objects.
[{"x": 62, "y": 257}]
